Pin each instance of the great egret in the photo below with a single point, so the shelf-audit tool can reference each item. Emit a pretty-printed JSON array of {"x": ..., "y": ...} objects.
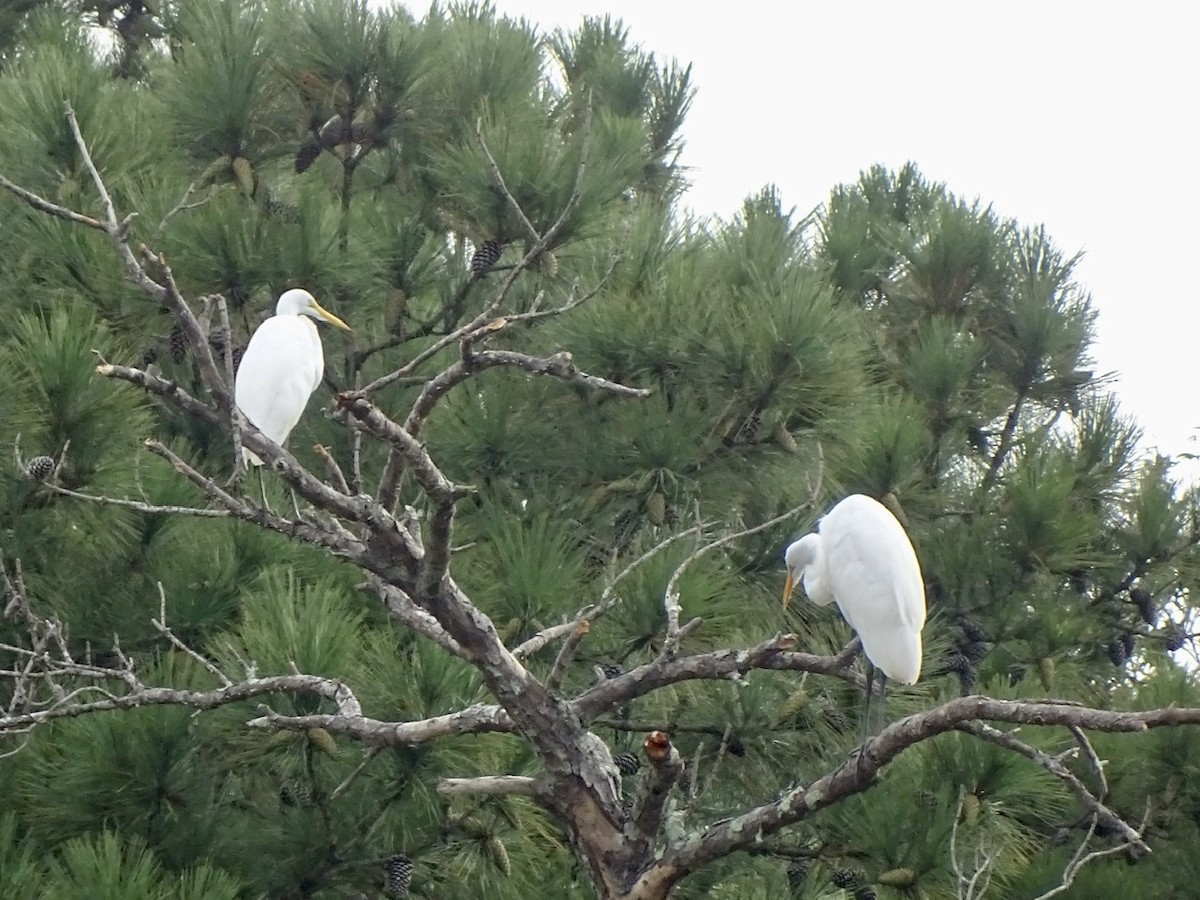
[
  {"x": 861, "y": 558},
  {"x": 282, "y": 366}
]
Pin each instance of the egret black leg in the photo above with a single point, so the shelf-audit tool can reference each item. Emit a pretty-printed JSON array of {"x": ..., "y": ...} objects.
[
  {"x": 866, "y": 716},
  {"x": 874, "y": 710},
  {"x": 262, "y": 487}
]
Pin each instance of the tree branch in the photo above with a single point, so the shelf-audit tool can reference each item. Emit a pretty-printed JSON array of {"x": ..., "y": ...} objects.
[
  {"x": 250, "y": 688},
  {"x": 1062, "y": 773},
  {"x": 488, "y": 785},
  {"x": 41, "y": 204},
  {"x": 654, "y": 786},
  {"x": 858, "y": 771},
  {"x": 478, "y": 719}
]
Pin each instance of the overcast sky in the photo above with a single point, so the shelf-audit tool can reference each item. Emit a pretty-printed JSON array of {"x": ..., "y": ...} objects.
[{"x": 1081, "y": 116}]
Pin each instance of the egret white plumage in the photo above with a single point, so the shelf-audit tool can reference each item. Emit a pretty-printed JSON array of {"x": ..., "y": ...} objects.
[
  {"x": 861, "y": 558},
  {"x": 282, "y": 366}
]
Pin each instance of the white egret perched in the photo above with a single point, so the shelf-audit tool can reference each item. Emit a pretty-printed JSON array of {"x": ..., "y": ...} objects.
[
  {"x": 862, "y": 558},
  {"x": 282, "y": 366}
]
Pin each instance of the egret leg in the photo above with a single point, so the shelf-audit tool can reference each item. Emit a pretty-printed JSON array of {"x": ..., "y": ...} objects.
[
  {"x": 262, "y": 487},
  {"x": 872, "y": 724},
  {"x": 865, "y": 723}
]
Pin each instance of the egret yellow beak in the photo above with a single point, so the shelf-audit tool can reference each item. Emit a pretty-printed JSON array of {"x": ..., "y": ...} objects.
[
  {"x": 326, "y": 316},
  {"x": 788, "y": 587}
]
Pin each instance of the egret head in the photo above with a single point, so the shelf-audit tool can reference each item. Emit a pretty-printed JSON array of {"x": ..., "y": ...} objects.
[
  {"x": 798, "y": 557},
  {"x": 297, "y": 302}
]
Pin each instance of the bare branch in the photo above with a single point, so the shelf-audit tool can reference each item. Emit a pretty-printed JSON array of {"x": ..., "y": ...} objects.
[
  {"x": 969, "y": 887},
  {"x": 1061, "y": 772},
  {"x": 160, "y": 387},
  {"x": 235, "y": 415},
  {"x": 608, "y": 598},
  {"x": 488, "y": 785},
  {"x": 654, "y": 787},
  {"x": 565, "y": 655},
  {"x": 368, "y": 757},
  {"x": 476, "y": 719},
  {"x": 1080, "y": 859},
  {"x": 401, "y": 608},
  {"x": 160, "y": 625},
  {"x": 531, "y": 233},
  {"x": 179, "y": 207},
  {"x": 140, "y": 505},
  {"x": 250, "y": 688},
  {"x": 859, "y": 770},
  {"x": 430, "y": 477},
  {"x": 774, "y": 654},
  {"x": 41, "y": 204}
]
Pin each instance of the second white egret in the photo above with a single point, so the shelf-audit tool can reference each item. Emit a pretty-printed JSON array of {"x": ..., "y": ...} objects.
[{"x": 861, "y": 558}]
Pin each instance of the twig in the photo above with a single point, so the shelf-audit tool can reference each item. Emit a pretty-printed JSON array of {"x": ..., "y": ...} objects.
[
  {"x": 332, "y": 467},
  {"x": 160, "y": 625},
  {"x": 139, "y": 505},
  {"x": 671, "y": 597},
  {"x": 235, "y": 415},
  {"x": 1058, "y": 770},
  {"x": 565, "y": 655},
  {"x": 371, "y": 753},
  {"x": 1080, "y": 859},
  {"x": 179, "y": 207},
  {"x": 41, "y": 204},
  {"x": 608, "y": 598},
  {"x": 984, "y": 861}
]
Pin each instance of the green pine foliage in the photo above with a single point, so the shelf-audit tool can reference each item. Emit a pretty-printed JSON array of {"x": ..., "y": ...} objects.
[{"x": 898, "y": 341}]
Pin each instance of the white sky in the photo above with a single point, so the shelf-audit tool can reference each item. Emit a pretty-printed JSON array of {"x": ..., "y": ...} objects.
[{"x": 1081, "y": 116}]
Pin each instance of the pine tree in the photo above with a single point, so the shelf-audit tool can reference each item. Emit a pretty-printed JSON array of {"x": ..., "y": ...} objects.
[{"x": 902, "y": 342}]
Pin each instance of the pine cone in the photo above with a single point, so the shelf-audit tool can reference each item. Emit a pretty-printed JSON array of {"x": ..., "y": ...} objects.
[
  {"x": 845, "y": 878},
  {"x": 1140, "y": 597},
  {"x": 244, "y": 174},
  {"x": 797, "y": 872},
  {"x": 1015, "y": 673},
  {"x": 975, "y": 651},
  {"x": 39, "y": 468},
  {"x": 1116, "y": 653},
  {"x": 736, "y": 746},
  {"x": 177, "y": 343},
  {"x": 323, "y": 741},
  {"x": 149, "y": 357},
  {"x": 399, "y": 875},
  {"x": 628, "y": 763},
  {"x": 306, "y": 156},
  {"x": 611, "y": 670},
  {"x": 747, "y": 432},
  {"x": 656, "y": 508},
  {"x": 274, "y": 208},
  {"x": 972, "y": 632},
  {"x": 866, "y": 893},
  {"x": 1173, "y": 638},
  {"x": 293, "y": 793},
  {"x": 486, "y": 255},
  {"x": 238, "y": 353},
  {"x": 1129, "y": 641},
  {"x": 687, "y": 779},
  {"x": 499, "y": 854}
]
